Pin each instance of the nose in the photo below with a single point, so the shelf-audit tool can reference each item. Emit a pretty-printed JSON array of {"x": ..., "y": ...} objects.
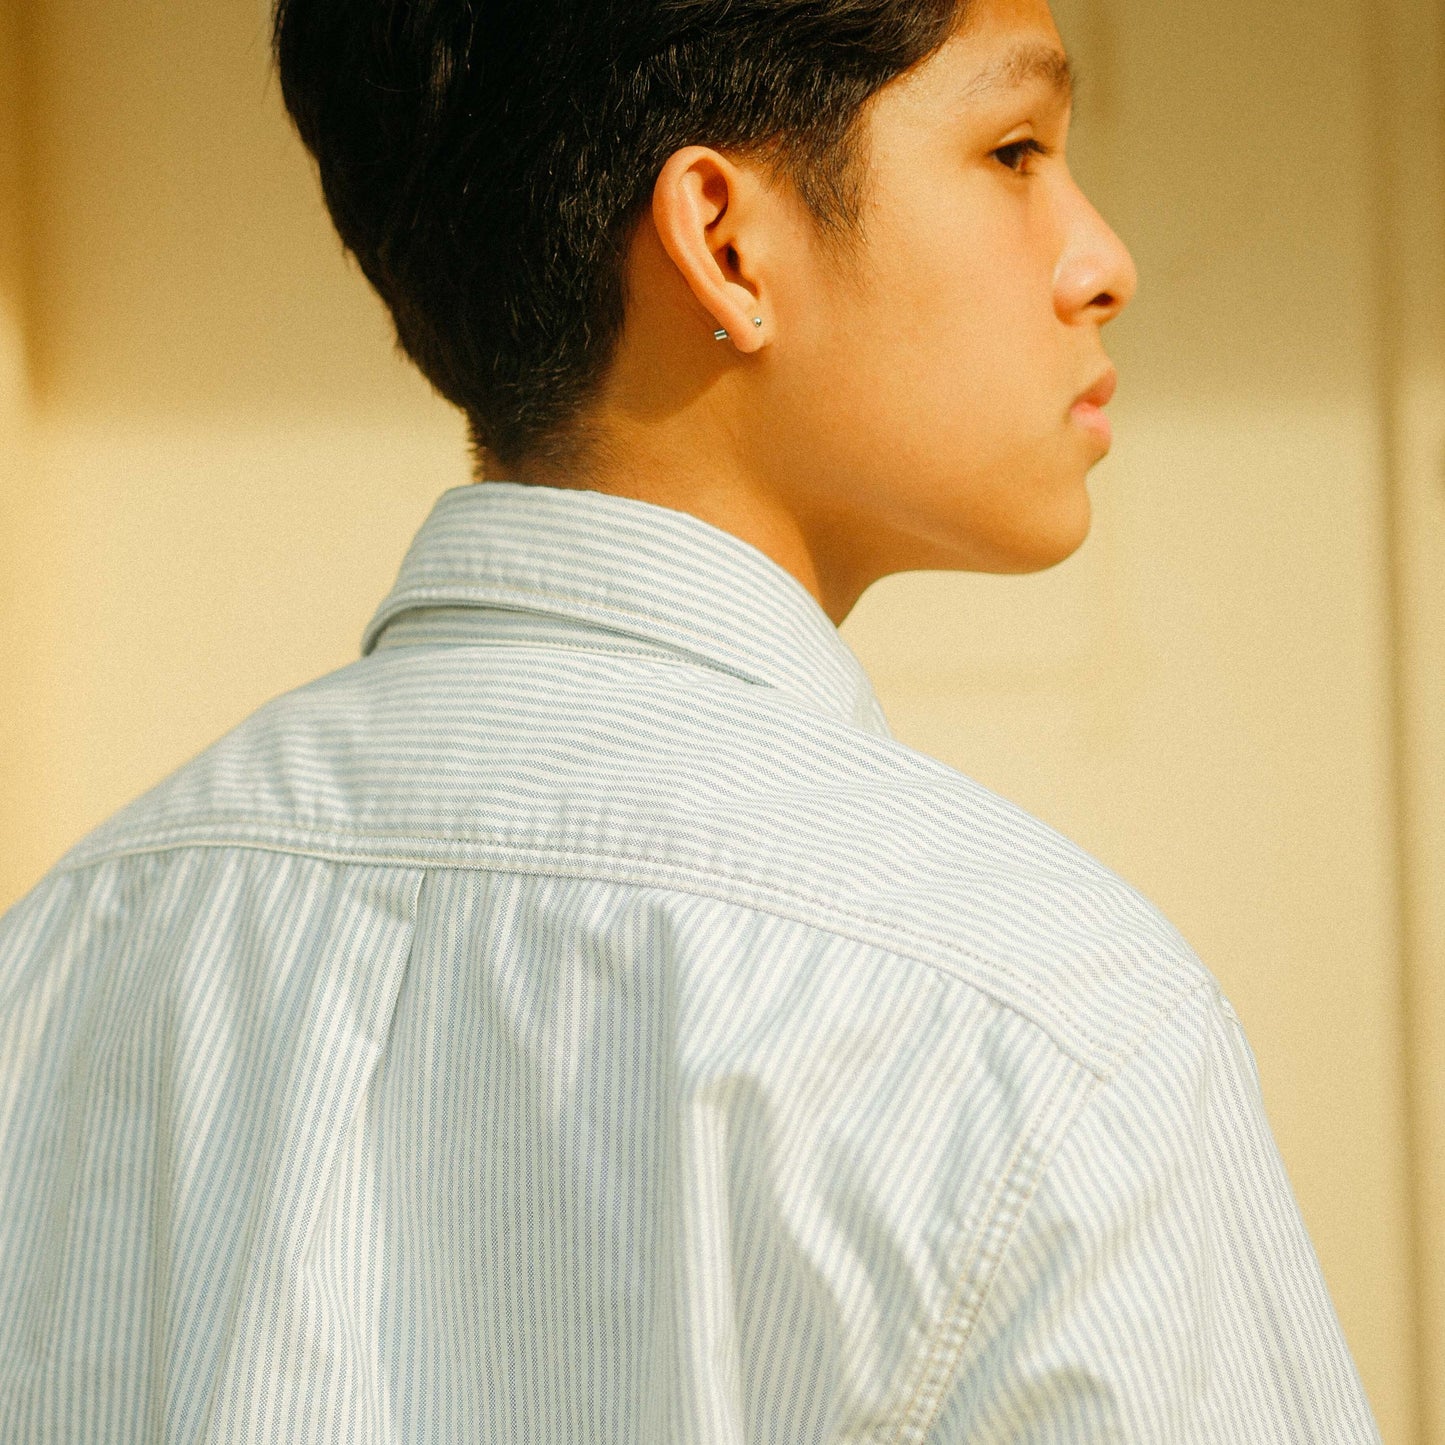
[{"x": 1096, "y": 277}]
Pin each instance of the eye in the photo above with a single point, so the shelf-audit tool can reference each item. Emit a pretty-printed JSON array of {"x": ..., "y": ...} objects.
[{"x": 1021, "y": 151}]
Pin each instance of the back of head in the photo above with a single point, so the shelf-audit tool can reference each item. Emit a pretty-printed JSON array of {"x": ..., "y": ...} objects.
[{"x": 487, "y": 161}]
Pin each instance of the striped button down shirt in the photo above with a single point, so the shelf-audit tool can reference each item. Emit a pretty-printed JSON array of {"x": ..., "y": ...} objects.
[{"x": 579, "y": 1020}]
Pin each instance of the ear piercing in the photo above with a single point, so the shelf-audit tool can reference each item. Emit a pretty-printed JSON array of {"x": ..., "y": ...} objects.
[{"x": 722, "y": 335}]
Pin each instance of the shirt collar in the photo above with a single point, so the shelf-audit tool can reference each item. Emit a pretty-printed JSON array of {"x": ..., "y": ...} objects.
[{"x": 637, "y": 571}]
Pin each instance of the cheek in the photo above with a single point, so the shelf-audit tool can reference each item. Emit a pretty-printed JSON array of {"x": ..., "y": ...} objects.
[
  {"x": 946, "y": 348},
  {"x": 922, "y": 421},
  {"x": 964, "y": 306},
  {"x": 937, "y": 354}
]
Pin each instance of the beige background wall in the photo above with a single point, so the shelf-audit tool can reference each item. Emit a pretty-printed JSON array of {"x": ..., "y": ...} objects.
[{"x": 1234, "y": 694}]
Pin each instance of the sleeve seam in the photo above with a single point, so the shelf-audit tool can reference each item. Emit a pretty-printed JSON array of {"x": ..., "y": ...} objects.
[{"x": 924, "y": 1409}]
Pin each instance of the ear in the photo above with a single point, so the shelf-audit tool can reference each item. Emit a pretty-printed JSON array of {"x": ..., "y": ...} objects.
[{"x": 708, "y": 218}]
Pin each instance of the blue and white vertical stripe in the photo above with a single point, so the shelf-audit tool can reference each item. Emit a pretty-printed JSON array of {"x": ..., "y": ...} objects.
[{"x": 578, "y": 1020}]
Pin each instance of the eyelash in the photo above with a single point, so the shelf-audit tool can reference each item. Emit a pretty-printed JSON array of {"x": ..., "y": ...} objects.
[{"x": 1030, "y": 147}]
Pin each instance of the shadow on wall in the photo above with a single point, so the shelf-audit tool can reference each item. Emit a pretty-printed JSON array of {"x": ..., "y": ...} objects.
[{"x": 189, "y": 266}]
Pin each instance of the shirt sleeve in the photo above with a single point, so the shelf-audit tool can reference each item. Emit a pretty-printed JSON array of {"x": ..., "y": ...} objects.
[{"x": 1160, "y": 1286}]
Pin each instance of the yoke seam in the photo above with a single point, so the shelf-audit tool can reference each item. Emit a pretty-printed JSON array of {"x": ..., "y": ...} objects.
[{"x": 675, "y": 876}]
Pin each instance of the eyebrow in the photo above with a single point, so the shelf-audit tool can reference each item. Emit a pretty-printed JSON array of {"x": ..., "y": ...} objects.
[{"x": 1024, "y": 64}]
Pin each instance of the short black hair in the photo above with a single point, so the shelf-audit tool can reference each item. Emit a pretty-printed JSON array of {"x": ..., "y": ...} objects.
[{"x": 487, "y": 162}]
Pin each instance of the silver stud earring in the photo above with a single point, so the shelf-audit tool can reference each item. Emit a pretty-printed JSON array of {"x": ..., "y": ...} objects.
[{"x": 723, "y": 336}]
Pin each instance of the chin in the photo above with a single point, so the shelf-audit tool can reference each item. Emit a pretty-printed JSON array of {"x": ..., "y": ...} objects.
[{"x": 1052, "y": 540}]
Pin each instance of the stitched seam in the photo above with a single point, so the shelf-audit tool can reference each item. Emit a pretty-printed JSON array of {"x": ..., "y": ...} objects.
[
  {"x": 955, "y": 1319},
  {"x": 667, "y": 874},
  {"x": 948, "y": 1375},
  {"x": 432, "y": 592},
  {"x": 671, "y": 872},
  {"x": 671, "y": 657},
  {"x": 803, "y": 691}
]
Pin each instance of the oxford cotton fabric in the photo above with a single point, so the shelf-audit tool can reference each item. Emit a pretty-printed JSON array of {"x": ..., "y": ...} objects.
[{"x": 578, "y": 1020}]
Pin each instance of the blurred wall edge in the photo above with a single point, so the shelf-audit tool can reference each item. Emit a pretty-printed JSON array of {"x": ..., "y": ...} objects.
[
  {"x": 13, "y": 419},
  {"x": 1410, "y": 86}
]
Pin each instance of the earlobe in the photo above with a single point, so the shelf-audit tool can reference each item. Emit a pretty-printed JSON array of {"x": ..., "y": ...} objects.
[{"x": 721, "y": 335}]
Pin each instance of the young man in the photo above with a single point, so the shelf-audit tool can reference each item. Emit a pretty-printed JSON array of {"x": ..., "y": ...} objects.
[{"x": 578, "y": 1019}]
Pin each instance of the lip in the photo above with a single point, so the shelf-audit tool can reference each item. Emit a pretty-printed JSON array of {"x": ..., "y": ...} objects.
[
  {"x": 1101, "y": 392},
  {"x": 1088, "y": 410}
]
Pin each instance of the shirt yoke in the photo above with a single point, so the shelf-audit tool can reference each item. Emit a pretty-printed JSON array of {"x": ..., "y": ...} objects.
[{"x": 566, "y": 760}]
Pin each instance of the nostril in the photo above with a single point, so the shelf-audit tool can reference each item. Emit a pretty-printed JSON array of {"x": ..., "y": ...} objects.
[{"x": 1109, "y": 302}]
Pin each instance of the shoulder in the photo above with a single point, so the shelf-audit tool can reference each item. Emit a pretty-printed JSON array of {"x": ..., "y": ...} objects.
[{"x": 666, "y": 774}]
